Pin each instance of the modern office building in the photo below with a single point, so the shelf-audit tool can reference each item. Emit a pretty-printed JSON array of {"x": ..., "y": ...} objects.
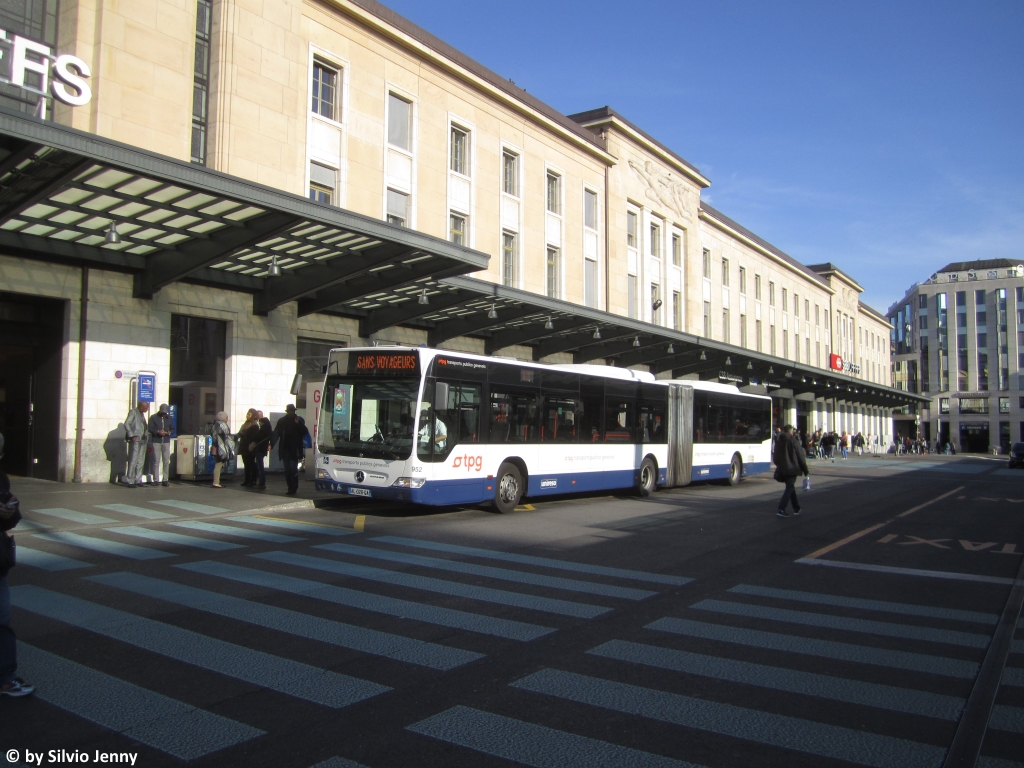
[
  {"x": 958, "y": 338},
  {"x": 216, "y": 192}
]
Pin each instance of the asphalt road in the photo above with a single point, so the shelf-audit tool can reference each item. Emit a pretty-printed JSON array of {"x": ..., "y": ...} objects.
[{"x": 692, "y": 628}]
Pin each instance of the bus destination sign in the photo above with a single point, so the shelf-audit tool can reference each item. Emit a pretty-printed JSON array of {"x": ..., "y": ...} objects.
[{"x": 383, "y": 364}]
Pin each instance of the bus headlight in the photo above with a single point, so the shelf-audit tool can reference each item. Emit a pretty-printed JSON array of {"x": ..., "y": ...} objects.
[
  {"x": 322, "y": 474},
  {"x": 409, "y": 482}
]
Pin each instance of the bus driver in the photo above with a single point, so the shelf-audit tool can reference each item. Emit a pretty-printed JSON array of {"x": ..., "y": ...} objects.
[{"x": 440, "y": 432}]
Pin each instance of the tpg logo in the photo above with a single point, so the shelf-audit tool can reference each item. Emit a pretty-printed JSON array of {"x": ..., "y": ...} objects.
[{"x": 471, "y": 463}]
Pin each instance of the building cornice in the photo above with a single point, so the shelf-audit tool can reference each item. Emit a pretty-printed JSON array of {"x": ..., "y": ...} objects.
[
  {"x": 652, "y": 146},
  {"x": 707, "y": 216},
  {"x": 373, "y": 15},
  {"x": 861, "y": 306}
]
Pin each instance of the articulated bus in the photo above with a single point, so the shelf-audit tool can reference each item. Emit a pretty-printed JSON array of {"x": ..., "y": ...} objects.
[{"x": 429, "y": 426}]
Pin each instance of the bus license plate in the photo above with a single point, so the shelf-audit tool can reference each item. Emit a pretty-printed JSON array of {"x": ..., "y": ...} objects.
[{"x": 359, "y": 491}]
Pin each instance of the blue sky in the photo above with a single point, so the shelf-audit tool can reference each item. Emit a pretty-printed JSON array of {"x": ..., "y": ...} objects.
[{"x": 885, "y": 137}]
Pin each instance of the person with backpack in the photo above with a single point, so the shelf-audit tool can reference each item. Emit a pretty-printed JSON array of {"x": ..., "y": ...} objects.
[
  {"x": 10, "y": 514},
  {"x": 222, "y": 446},
  {"x": 790, "y": 463}
]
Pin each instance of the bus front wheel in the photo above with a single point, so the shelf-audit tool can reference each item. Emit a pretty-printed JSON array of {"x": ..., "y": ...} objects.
[
  {"x": 509, "y": 488},
  {"x": 648, "y": 477},
  {"x": 735, "y": 470}
]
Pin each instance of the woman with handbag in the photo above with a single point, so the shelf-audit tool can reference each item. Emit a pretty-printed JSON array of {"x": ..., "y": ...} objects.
[{"x": 222, "y": 447}]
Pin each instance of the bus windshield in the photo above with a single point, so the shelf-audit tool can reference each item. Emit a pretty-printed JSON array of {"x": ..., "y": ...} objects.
[{"x": 368, "y": 417}]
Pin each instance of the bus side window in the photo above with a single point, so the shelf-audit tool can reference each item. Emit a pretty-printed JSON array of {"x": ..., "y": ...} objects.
[
  {"x": 559, "y": 424},
  {"x": 653, "y": 400},
  {"x": 514, "y": 415},
  {"x": 590, "y": 415},
  {"x": 700, "y": 414},
  {"x": 619, "y": 407}
]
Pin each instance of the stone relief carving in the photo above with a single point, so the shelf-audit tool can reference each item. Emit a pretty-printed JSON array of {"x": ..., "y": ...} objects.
[{"x": 663, "y": 188}]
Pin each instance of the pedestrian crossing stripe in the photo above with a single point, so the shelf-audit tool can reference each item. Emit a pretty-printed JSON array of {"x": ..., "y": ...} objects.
[
  {"x": 371, "y": 641},
  {"x": 73, "y": 516},
  {"x": 884, "y": 628},
  {"x": 441, "y": 586},
  {"x": 37, "y": 558},
  {"x": 868, "y": 605},
  {"x": 530, "y": 744},
  {"x": 295, "y": 525},
  {"x": 232, "y": 530},
  {"x": 329, "y": 689},
  {"x": 828, "y": 649},
  {"x": 406, "y": 609},
  {"x": 166, "y": 537},
  {"x": 1005, "y": 718},
  {"x": 190, "y": 506},
  {"x": 545, "y": 562},
  {"x": 873, "y": 695},
  {"x": 782, "y": 731},
  {"x": 130, "y": 509},
  {"x": 158, "y": 721},
  {"x": 104, "y": 545},
  {"x": 503, "y": 574}
]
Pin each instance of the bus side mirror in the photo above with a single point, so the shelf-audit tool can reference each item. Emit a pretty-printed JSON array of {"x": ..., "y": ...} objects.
[
  {"x": 441, "y": 396},
  {"x": 296, "y": 385}
]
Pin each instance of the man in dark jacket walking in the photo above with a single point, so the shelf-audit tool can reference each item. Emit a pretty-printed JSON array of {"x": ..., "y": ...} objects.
[
  {"x": 790, "y": 463},
  {"x": 289, "y": 434}
]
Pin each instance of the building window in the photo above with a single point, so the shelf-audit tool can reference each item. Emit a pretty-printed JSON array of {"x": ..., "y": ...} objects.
[
  {"x": 743, "y": 331},
  {"x": 655, "y": 299},
  {"x": 796, "y": 304},
  {"x": 200, "y": 83},
  {"x": 796, "y": 347},
  {"x": 707, "y": 319},
  {"x": 399, "y": 122},
  {"x": 655, "y": 241},
  {"x": 590, "y": 209},
  {"x": 553, "y": 268},
  {"x": 509, "y": 252},
  {"x": 590, "y": 282},
  {"x": 785, "y": 300},
  {"x": 771, "y": 338},
  {"x": 982, "y": 371},
  {"x": 771, "y": 293},
  {"x": 943, "y": 405},
  {"x": 460, "y": 151},
  {"x": 743, "y": 280},
  {"x": 725, "y": 326},
  {"x": 631, "y": 233},
  {"x": 677, "y": 250},
  {"x": 725, "y": 272},
  {"x": 510, "y": 173},
  {"x": 398, "y": 208},
  {"x": 817, "y": 314},
  {"x": 757, "y": 287},
  {"x": 457, "y": 228},
  {"x": 554, "y": 193},
  {"x": 631, "y": 296},
  {"x": 707, "y": 263},
  {"x": 757, "y": 335},
  {"x": 325, "y": 90},
  {"x": 677, "y": 310},
  {"x": 785, "y": 344},
  {"x": 817, "y": 354},
  {"x": 807, "y": 349},
  {"x": 1004, "y": 405},
  {"x": 322, "y": 183}
]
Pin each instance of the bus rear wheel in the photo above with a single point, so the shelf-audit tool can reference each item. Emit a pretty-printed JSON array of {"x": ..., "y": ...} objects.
[
  {"x": 508, "y": 488},
  {"x": 735, "y": 470},
  {"x": 648, "y": 477}
]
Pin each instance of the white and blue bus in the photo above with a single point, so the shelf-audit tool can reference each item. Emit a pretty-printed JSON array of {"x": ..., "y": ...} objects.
[{"x": 429, "y": 426}]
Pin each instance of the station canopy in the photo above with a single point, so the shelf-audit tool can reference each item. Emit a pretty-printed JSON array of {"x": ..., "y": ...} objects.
[{"x": 74, "y": 198}]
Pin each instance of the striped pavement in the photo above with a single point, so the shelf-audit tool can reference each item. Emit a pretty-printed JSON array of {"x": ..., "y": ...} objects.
[
  {"x": 146, "y": 715},
  {"x": 742, "y": 658}
]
